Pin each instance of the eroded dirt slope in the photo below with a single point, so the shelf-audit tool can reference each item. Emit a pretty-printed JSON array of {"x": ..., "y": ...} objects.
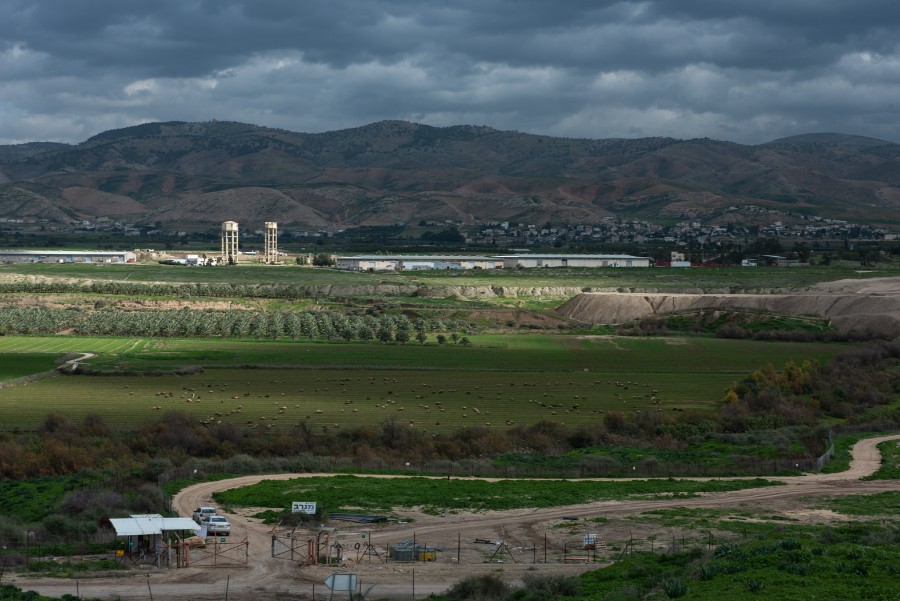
[{"x": 871, "y": 306}]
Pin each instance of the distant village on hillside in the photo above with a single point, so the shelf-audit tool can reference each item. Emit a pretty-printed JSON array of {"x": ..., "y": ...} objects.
[{"x": 611, "y": 230}]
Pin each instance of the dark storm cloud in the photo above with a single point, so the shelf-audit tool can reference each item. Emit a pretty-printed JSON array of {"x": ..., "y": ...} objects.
[{"x": 742, "y": 70}]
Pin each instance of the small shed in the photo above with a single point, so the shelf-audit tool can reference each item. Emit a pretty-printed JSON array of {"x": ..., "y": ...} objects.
[{"x": 147, "y": 535}]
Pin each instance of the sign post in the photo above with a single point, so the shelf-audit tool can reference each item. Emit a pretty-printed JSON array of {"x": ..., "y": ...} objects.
[
  {"x": 341, "y": 582},
  {"x": 303, "y": 507}
]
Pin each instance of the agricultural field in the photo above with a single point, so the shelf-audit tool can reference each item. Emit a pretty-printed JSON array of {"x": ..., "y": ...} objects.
[
  {"x": 44, "y": 345},
  {"x": 660, "y": 279},
  {"x": 23, "y": 364},
  {"x": 497, "y": 382}
]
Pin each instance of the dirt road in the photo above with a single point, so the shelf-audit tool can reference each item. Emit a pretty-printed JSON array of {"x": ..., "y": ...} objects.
[{"x": 524, "y": 531}]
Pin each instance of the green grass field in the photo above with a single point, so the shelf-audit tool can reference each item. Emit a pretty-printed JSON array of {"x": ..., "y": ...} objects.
[
  {"x": 497, "y": 383},
  {"x": 22, "y": 364},
  {"x": 69, "y": 344},
  {"x": 342, "y": 493},
  {"x": 877, "y": 506}
]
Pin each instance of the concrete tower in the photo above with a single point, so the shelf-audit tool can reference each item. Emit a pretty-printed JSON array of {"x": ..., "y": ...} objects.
[
  {"x": 270, "y": 252},
  {"x": 230, "y": 242}
]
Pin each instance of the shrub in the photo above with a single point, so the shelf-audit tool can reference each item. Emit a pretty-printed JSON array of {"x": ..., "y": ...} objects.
[
  {"x": 148, "y": 499},
  {"x": 64, "y": 527},
  {"x": 674, "y": 588},
  {"x": 796, "y": 568},
  {"x": 487, "y": 587},
  {"x": 754, "y": 586},
  {"x": 707, "y": 571},
  {"x": 538, "y": 588},
  {"x": 790, "y": 545},
  {"x": 99, "y": 502},
  {"x": 723, "y": 550}
]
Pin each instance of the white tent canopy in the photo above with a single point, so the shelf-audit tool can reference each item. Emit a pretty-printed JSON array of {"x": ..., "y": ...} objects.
[{"x": 136, "y": 525}]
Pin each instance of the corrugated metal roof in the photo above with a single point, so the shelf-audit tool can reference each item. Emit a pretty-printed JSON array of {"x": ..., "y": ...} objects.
[
  {"x": 136, "y": 525},
  {"x": 66, "y": 253},
  {"x": 416, "y": 258},
  {"x": 561, "y": 256}
]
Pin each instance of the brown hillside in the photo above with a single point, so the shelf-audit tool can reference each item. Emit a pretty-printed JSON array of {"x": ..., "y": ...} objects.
[{"x": 202, "y": 173}]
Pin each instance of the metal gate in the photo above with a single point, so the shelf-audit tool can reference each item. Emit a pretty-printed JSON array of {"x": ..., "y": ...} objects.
[
  {"x": 303, "y": 550},
  {"x": 217, "y": 553}
]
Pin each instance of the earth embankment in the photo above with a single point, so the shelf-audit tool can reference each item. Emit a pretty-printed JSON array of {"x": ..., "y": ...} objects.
[{"x": 868, "y": 306}]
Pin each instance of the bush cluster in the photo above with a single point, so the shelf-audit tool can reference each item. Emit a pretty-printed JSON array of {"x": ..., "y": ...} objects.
[{"x": 853, "y": 383}]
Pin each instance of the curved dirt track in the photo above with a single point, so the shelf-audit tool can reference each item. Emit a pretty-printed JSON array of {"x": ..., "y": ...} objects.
[{"x": 267, "y": 578}]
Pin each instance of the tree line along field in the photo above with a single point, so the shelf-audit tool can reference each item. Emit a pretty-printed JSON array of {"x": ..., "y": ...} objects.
[
  {"x": 311, "y": 325},
  {"x": 497, "y": 383}
]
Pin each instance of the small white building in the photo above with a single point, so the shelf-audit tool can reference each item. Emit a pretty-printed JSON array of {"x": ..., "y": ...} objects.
[
  {"x": 559, "y": 260},
  {"x": 148, "y": 536}
]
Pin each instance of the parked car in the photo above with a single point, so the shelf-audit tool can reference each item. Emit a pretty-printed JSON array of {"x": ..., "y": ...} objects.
[
  {"x": 202, "y": 512},
  {"x": 217, "y": 525}
]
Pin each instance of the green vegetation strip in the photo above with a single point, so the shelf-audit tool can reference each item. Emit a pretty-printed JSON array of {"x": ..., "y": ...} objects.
[
  {"x": 523, "y": 352},
  {"x": 783, "y": 562},
  {"x": 880, "y": 504},
  {"x": 352, "y": 493},
  {"x": 700, "y": 454},
  {"x": 17, "y": 365},
  {"x": 663, "y": 279},
  {"x": 31, "y": 500},
  {"x": 62, "y": 344}
]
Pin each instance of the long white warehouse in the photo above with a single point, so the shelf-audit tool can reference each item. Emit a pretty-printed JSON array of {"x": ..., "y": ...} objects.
[
  {"x": 67, "y": 256},
  {"x": 414, "y": 262},
  {"x": 552, "y": 260}
]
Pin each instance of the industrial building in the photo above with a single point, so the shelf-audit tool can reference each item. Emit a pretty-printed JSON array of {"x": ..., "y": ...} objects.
[
  {"x": 415, "y": 262},
  {"x": 67, "y": 256},
  {"x": 553, "y": 260}
]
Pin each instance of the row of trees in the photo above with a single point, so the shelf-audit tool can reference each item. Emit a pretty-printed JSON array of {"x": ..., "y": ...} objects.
[
  {"x": 132, "y": 289},
  {"x": 313, "y": 325}
]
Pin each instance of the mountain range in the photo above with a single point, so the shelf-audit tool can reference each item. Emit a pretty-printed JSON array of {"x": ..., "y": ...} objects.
[{"x": 196, "y": 175}]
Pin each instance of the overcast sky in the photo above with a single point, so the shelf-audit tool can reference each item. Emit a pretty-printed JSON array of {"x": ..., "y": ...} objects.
[{"x": 742, "y": 70}]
